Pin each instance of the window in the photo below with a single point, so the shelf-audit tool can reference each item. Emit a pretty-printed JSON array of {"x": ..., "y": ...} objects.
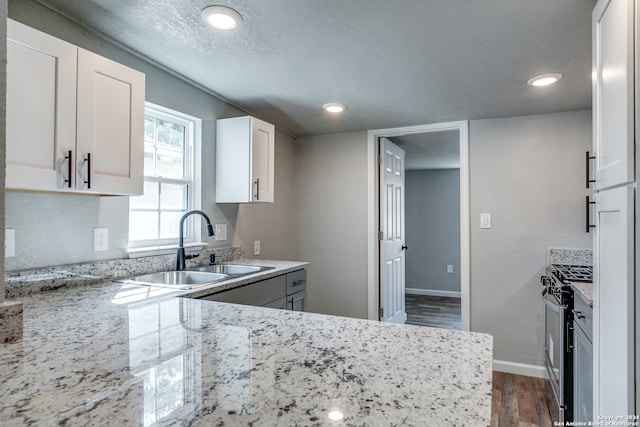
[{"x": 171, "y": 144}]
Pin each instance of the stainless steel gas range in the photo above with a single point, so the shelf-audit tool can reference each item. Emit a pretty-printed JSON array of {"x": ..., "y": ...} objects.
[{"x": 558, "y": 333}]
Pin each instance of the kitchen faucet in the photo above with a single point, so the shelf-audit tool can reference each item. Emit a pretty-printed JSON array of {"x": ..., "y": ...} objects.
[{"x": 180, "y": 262}]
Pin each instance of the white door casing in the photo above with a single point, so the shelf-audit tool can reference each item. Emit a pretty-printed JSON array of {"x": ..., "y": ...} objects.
[
  {"x": 392, "y": 249},
  {"x": 374, "y": 260}
]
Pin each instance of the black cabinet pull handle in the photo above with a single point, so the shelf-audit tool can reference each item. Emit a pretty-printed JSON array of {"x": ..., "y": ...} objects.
[
  {"x": 257, "y": 196},
  {"x": 587, "y": 218},
  {"x": 88, "y": 160},
  {"x": 70, "y": 169},
  {"x": 578, "y": 314},
  {"x": 587, "y": 168},
  {"x": 297, "y": 283},
  {"x": 405, "y": 247}
]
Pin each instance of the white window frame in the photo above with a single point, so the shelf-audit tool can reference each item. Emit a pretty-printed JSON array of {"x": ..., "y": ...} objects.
[{"x": 193, "y": 149}]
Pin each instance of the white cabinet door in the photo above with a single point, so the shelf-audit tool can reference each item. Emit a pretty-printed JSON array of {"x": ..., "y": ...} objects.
[
  {"x": 613, "y": 282},
  {"x": 41, "y": 110},
  {"x": 613, "y": 97},
  {"x": 262, "y": 161},
  {"x": 110, "y": 131},
  {"x": 245, "y": 148}
]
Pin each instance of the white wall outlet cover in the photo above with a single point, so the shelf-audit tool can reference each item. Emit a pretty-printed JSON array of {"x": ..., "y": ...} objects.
[
  {"x": 100, "y": 239},
  {"x": 256, "y": 247},
  {"x": 9, "y": 242},
  {"x": 449, "y": 268},
  {"x": 485, "y": 220},
  {"x": 221, "y": 231}
]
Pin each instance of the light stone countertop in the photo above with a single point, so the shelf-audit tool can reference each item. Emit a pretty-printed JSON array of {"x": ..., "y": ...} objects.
[
  {"x": 117, "y": 354},
  {"x": 584, "y": 290}
]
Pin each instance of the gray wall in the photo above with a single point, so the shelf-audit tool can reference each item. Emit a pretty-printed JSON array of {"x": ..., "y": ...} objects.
[
  {"x": 528, "y": 172},
  {"x": 331, "y": 188},
  {"x": 432, "y": 224},
  {"x": 57, "y": 229}
]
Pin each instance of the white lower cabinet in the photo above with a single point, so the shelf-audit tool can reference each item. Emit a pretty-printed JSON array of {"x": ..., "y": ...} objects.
[
  {"x": 75, "y": 120},
  {"x": 613, "y": 306},
  {"x": 287, "y": 292}
]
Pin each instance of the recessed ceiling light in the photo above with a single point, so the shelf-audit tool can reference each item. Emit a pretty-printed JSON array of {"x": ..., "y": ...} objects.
[
  {"x": 221, "y": 17},
  {"x": 544, "y": 79},
  {"x": 333, "y": 107}
]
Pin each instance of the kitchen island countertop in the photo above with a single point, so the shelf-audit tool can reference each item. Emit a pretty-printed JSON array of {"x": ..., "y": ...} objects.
[{"x": 117, "y": 354}]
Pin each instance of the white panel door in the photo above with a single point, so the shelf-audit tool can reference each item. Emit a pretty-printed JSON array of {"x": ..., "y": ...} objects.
[
  {"x": 41, "y": 109},
  {"x": 392, "y": 227},
  {"x": 613, "y": 106},
  {"x": 613, "y": 282},
  {"x": 110, "y": 128},
  {"x": 262, "y": 161}
]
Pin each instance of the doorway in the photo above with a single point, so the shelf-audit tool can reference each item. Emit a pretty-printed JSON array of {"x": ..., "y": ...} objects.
[{"x": 458, "y": 145}]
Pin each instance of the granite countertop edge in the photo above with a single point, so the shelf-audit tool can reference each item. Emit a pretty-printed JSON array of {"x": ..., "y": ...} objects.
[{"x": 83, "y": 344}]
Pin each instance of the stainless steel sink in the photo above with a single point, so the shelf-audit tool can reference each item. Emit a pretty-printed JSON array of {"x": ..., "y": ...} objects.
[
  {"x": 177, "y": 279},
  {"x": 233, "y": 269}
]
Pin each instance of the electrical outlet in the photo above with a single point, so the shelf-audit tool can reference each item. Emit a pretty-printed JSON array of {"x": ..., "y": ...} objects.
[
  {"x": 221, "y": 231},
  {"x": 100, "y": 239},
  {"x": 9, "y": 242},
  {"x": 256, "y": 248},
  {"x": 449, "y": 268}
]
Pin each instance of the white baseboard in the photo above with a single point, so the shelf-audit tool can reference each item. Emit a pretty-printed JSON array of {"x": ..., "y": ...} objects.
[
  {"x": 520, "y": 369},
  {"x": 432, "y": 292}
]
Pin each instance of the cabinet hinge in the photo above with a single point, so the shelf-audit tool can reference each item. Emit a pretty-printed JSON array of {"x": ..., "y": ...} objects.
[
  {"x": 379, "y": 160},
  {"x": 381, "y": 235},
  {"x": 381, "y": 313}
]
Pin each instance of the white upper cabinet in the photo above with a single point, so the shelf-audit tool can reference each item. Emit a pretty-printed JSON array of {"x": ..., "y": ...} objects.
[
  {"x": 75, "y": 120},
  {"x": 110, "y": 126},
  {"x": 41, "y": 110},
  {"x": 613, "y": 97},
  {"x": 244, "y": 160}
]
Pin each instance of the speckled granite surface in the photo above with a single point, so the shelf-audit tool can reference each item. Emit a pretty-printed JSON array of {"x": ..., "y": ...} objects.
[
  {"x": 27, "y": 282},
  {"x": 584, "y": 291},
  {"x": 10, "y": 321},
  {"x": 570, "y": 256},
  {"x": 115, "y": 354}
]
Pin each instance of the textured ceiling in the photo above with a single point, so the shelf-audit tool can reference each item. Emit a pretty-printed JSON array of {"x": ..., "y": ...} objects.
[
  {"x": 394, "y": 62},
  {"x": 431, "y": 150}
]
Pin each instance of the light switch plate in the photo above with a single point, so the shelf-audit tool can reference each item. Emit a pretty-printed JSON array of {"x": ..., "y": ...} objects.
[
  {"x": 485, "y": 220},
  {"x": 449, "y": 268},
  {"x": 256, "y": 247},
  {"x": 9, "y": 242},
  {"x": 221, "y": 231},
  {"x": 100, "y": 239}
]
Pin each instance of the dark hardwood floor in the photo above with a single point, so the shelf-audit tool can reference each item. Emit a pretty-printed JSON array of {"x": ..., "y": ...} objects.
[
  {"x": 438, "y": 312},
  {"x": 520, "y": 401}
]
